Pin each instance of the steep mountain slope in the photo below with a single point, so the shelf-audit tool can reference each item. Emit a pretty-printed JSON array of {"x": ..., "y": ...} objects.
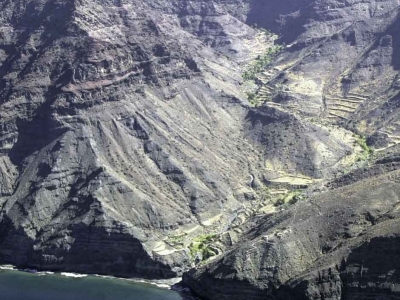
[
  {"x": 340, "y": 69},
  {"x": 124, "y": 125},
  {"x": 113, "y": 135},
  {"x": 341, "y": 244}
]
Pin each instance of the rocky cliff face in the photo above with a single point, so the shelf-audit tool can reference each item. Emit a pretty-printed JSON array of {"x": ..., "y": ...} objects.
[
  {"x": 143, "y": 137},
  {"x": 340, "y": 239},
  {"x": 341, "y": 244},
  {"x": 118, "y": 126}
]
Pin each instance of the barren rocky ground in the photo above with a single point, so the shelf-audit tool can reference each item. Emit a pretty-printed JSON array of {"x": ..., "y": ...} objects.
[{"x": 250, "y": 144}]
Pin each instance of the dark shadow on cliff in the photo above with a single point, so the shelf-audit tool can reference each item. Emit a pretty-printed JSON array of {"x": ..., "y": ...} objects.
[
  {"x": 394, "y": 31},
  {"x": 278, "y": 132},
  {"x": 54, "y": 19},
  {"x": 34, "y": 134},
  {"x": 283, "y": 17},
  {"x": 97, "y": 249},
  {"x": 373, "y": 269},
  {"x": 14, "y": 243}
]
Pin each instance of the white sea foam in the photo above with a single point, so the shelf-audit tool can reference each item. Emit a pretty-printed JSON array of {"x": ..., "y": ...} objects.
[
  {"x": 45, "y": 273},
  {"x": 8, "y": 267},
  {"x": 161, "y": 283},
  {"x": 105, "y": 276},
  {"x": 74, "y": 275}
]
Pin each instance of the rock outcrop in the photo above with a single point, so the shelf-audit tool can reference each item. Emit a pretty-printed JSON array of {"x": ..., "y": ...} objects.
[{"x": 340, "y": 244}]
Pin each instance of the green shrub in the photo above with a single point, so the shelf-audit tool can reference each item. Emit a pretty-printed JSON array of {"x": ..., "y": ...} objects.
[
  {"x": 201, "y": 244},
  {"x": 261, "y": 62},
  {"x": 251, "y": 97},
  {"x": 177, "y": 239},
  {"x": 290, "y": 198},
  {"x": 362, "y": 142}
]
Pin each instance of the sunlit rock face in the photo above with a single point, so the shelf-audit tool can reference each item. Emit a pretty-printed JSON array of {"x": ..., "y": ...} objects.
[
  {"x": 120, "y": 124},
  {"x": 339, "y": 70}
]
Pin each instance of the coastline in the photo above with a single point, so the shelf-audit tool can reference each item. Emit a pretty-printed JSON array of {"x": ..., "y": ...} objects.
[
  {"x": 161, "y": 283},
  {"x": 173, "y": 284}
]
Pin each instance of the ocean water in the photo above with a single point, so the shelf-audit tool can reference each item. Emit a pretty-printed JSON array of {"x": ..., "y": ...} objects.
[{"x": 17, "y": 285}]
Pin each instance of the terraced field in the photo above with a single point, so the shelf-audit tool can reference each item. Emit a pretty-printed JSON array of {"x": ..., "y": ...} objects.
[
  {"x": 392, "y": 135},
  {"x": 340, "y": 108}
]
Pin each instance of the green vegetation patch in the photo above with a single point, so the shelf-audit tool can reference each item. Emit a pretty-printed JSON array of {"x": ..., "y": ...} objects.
[
  {"x": 201, "y": 244},
  {"x": 367, "y": 151},
  {"x": 289, "y": 198},
  {"x": 252, "y": 98},
  {"x": 261, "y": 62},
  {"x": 177, "y": 239}
]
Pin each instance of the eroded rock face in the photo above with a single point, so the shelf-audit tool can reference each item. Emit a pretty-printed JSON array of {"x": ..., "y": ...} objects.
[
  {"x": 113, "y": 133},
  {"x": 339, "y": 69},
  {"x": 341, "y": 244},
  {"x": 123, "y": 122}
]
